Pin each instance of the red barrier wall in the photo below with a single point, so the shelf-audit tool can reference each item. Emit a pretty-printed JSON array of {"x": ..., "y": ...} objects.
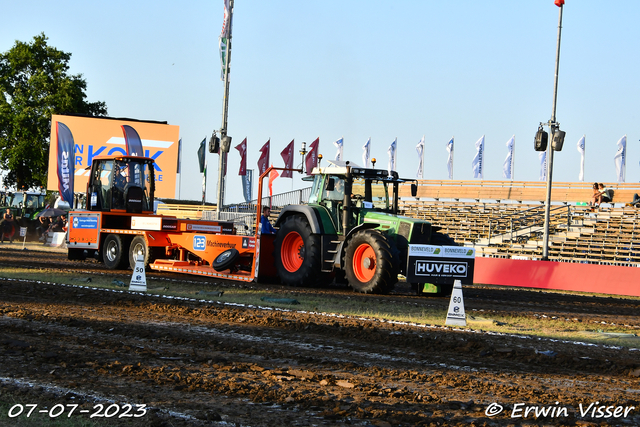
[{"x": 604, "y": 279}]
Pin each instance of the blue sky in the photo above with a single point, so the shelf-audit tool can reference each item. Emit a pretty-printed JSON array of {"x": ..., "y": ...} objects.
[{"x": 360, "y": 69}]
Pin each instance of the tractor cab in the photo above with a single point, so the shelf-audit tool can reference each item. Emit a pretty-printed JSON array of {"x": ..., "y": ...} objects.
[
  {"x": 24, "y": 204},
  {"x": 348, "y": 192},
  {"x": 124, "y": 183}
]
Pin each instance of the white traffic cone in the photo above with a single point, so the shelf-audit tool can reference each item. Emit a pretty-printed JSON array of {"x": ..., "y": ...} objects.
[
  {"x": 455, "y": 314},
  {"x": 138, "y": 278}
]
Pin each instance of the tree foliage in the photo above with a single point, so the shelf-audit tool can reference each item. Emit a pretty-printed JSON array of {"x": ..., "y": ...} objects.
[{"x": 34, "y": 84}]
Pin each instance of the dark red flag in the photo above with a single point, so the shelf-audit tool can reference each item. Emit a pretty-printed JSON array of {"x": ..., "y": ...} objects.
[
  {"x": 242, "y": 148},
  {"x": 287, "y": 155},
  {"x": 311, "y": 161},
  {"x": 263, "y": 161},
  {"x": 558, "y": 3}
]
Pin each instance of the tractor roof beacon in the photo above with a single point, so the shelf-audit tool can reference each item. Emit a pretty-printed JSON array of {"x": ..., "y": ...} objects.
[{"x": 350, "y": 229}]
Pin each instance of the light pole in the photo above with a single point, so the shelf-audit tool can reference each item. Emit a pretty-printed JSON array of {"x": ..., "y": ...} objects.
[
  {"x": 557, "y": 139},
  {"x": 225, "y": 140}
]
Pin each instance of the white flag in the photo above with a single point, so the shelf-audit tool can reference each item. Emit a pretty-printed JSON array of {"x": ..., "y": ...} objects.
[
  {"x": 450, "y": 159},
  {"x": 620, "y": 159},
  {"x": 478, "y": 159},
  {"x": 507, "y": 168},
  {"x": 420, "y": 151},
  {"x": 365, "y": 154},
  {"x": 581, "y": 151},
  {"x": 543, "y": 165},
  {"x": 392, "y": 155},
  {"x": 339, "y": 144}
]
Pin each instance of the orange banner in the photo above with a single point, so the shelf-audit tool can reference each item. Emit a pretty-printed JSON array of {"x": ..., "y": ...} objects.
[{"x": 104, "y": 137}]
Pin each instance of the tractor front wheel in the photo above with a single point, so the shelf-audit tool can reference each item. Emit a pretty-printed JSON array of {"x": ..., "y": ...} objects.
[
  {"x": 297, "y": 253},
  {"x": 369, "y": 263}
]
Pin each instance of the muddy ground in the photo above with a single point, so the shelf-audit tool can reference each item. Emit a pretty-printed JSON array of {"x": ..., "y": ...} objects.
[{"x": 200, "y": 363}]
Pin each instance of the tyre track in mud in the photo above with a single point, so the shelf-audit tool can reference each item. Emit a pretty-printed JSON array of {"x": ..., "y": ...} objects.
[{"x": 483, "y": 299}]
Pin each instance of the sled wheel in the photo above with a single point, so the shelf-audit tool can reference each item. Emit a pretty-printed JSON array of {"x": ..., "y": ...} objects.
[
  {"x": 370, "y": 265},
  {"x": 297, "y": 253},
  {"x": 113, "y": 252},
  {"x": 226, "y": 260}
]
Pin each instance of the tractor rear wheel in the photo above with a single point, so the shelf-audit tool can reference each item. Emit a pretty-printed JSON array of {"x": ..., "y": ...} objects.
[
  {"x": 297, "y": 253},
  {"x": 370, "y": 265}
]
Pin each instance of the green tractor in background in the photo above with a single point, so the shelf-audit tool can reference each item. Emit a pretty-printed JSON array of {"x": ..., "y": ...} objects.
[
  {"x": 350, "y": 229},
  {"x": 24, "y": 206}
]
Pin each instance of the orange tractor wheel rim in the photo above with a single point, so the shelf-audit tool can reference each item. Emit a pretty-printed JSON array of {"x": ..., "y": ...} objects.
[
  {"x": 364, "y": 262},
  {"x": 292, "y": 251}
]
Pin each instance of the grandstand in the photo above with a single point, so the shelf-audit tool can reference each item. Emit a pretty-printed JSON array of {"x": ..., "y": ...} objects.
[{"x": 505, "y": 219}]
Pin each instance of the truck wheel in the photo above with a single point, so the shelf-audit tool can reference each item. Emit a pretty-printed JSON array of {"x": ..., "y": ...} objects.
[
  {"x": 139, "y": 247},
  {"x": 369, "y": 263},
  {"x": 225, "y": 260},
  {"x": 297, "y": 253},
  {"x": 113, "y": 252}
]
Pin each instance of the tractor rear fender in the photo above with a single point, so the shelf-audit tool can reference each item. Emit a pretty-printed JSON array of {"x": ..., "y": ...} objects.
[
  {"x": 343, "y": 245},
  {"x": 309, "y": 213}
]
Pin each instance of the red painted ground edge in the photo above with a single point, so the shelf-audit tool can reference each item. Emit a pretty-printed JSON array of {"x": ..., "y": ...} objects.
[{"x": 604, "y": 279}]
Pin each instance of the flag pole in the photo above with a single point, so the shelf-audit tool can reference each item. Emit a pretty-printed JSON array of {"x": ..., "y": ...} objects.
[{"x": 225, "y": 111}]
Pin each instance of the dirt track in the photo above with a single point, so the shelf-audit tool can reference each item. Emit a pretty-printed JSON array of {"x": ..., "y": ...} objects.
[{"x": 196, "y": 363}]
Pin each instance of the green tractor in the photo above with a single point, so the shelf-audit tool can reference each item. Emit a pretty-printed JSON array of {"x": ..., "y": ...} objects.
[
  {"x": 350, "y": 230},
  {"x": 24, "y": 206}
]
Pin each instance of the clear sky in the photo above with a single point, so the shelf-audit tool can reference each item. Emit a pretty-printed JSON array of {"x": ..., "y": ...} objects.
[{"x": 358, "y": 69}]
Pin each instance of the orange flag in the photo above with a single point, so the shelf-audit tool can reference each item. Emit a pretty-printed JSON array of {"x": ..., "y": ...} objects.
[{"x": 272, "y": 176}]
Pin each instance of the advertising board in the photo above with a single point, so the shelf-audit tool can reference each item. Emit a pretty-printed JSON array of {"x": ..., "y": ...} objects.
[
  {"x": 93, "y": 136},
  {"x": 440, "y": 264}
]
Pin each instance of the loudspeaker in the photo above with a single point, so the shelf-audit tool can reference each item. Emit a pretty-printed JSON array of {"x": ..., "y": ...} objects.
[
  {"x": 214, "y": 144},
  {"x": 225, "y": 144},
  {"x": 558, "y": 140},
  {"x": 540, "y": 141}
]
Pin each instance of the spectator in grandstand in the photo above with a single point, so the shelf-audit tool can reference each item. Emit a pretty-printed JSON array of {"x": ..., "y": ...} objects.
[
  {"x": 606, "y": 194},
  {"x": 266, "y": 226},
  {"x": 595, "y": 199},
  {"x": 635, "y": 202}
]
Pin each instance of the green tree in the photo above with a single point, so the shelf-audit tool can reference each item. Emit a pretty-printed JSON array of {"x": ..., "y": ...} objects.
[{"x": 34, "y": 84}]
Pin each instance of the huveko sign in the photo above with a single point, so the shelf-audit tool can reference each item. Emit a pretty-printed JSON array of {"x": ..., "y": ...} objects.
[{"x": 440, "y": 265}]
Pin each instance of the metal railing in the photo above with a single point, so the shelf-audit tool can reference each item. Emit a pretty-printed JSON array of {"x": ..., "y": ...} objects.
[
  {"x": 523, "y": 221},
  {"x": 243, "y": 215}
]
